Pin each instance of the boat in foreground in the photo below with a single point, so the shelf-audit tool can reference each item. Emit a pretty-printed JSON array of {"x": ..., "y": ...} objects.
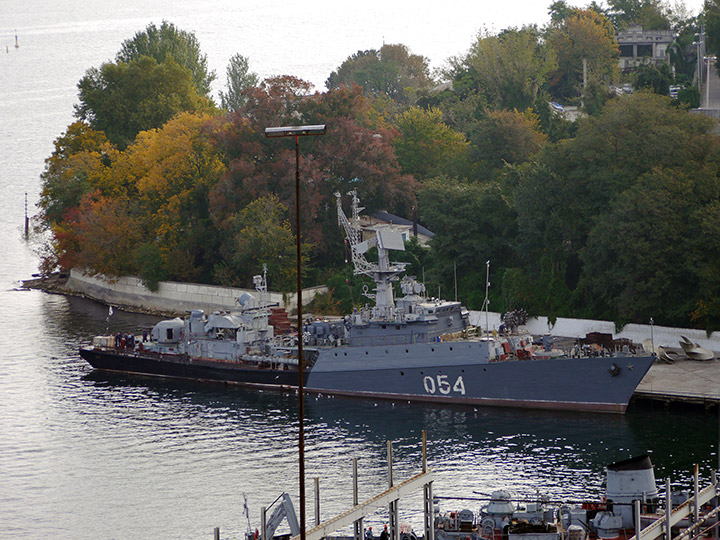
[{"x": 411, "y": 348}]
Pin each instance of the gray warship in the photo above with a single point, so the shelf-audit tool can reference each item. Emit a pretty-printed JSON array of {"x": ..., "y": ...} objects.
[{"x": 411, "y": 348}]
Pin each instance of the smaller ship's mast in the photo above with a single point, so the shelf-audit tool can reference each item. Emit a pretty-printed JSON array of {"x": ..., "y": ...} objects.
[{"x": 384, "y": 272}]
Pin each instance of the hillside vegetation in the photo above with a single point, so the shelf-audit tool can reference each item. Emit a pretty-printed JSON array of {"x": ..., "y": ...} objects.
[{"x": 614, "y": 216}]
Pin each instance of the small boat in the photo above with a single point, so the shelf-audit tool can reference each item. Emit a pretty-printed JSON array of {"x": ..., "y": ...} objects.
[{"x": 694, "y": 351}]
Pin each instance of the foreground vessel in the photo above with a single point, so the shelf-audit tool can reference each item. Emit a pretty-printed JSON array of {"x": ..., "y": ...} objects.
[{"x": 412, "y": 348}]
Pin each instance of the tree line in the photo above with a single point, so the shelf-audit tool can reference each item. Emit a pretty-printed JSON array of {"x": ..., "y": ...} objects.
[{"x": 613, "y": 216}]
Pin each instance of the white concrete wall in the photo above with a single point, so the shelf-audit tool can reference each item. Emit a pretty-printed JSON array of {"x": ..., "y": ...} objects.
[
  {"x": 661, "y": 335},
  {"x": 172, "y": 296}
]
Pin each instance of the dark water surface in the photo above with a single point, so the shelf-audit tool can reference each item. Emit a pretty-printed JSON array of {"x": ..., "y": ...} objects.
[{"x": 87, "y": 456}]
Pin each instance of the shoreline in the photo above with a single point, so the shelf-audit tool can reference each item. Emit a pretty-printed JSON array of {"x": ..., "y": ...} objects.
[{"x": 686, "y": 383}]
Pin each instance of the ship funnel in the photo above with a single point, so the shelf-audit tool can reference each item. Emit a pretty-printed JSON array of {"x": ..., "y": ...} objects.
[{"x": 631, "y": 480}]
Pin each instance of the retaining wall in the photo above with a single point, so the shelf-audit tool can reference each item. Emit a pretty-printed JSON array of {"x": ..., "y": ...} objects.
[
  {"x": 637, "y": 333},
  {"x": 172, "y": 296}
]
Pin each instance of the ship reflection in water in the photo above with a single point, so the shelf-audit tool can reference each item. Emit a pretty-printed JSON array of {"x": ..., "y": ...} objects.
[{"x": 472, "y": 450}]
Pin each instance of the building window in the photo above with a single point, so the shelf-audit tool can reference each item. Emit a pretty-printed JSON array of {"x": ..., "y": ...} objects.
[{"x": 644, "y": 50}]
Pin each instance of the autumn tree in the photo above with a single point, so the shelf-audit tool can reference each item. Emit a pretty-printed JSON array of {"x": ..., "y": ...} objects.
[
  {"x": 168, "y": 42},
  {"x": 585, "y": 36},
  {"x": 121, "y": 99},
  {"x": 80, "y": 153},
  {"x": 172, "y": 171},
  {"x": 509, "y": 68},
  {"x": 392, "y": 71},
  {"x": 352, "y": 154},
  {"x": 107, "y": 234}
]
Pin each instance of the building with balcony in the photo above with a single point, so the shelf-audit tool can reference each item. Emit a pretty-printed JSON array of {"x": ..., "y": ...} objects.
[{"x": 638, "y": 46}]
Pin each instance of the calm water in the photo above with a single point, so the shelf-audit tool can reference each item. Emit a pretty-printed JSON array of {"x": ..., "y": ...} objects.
[{"x": 89, "y": 456}]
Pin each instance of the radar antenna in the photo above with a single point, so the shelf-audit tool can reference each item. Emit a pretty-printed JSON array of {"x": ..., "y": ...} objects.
[{"x": 384, "y": 272}]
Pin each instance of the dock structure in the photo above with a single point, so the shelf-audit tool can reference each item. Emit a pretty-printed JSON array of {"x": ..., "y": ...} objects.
[
  {"x": 686, "y": 381},
  {"x": 390, "y": 498},
  {"x": 695, "y": 518}
]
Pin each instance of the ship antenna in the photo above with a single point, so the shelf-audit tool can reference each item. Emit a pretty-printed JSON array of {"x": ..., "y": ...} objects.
[{"x": 486, "y": 303}]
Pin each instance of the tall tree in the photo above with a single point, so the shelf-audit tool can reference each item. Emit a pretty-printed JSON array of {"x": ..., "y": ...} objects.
[
  {"x": 122, "y": 99},
  {"x": 586, "y": 36},
  {"x": 506, "y": 137},
  {"x": 261, "y": 235},
  {"x": 509, "y": 67},
  {"x": 427, "y": 147},
  {"x": 573, "y": 187},
  {"x": 473, "y": 223},
  {"x": 650, "y": 14},
  {"x": 392, "y": 71},
  {"x": 167, "y": 42},
  {"x": 239, "y": 79}
]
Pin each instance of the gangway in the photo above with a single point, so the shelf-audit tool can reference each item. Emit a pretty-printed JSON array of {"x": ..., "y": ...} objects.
[{"x": 691, "y": 509}]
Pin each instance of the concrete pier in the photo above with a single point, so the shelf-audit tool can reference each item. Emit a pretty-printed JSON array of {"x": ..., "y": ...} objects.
[{"x": 684, "y": 381}]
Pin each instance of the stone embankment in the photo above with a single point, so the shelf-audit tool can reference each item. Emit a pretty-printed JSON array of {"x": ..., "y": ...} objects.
[{"x": 171, "y": 298}]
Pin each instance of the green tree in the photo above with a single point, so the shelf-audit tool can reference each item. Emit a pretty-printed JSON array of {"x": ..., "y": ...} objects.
[
  {"x": 167, "y": 42},
  {"x": 392, "y": 71},
  {"x": 262, "y": 236},
  {"x": 239, "y": 79},
  {"x": 427, "y": 147},
  {"x": 506, "y": 137},
  {"x": 650, "y": 14},
  {"x": 657, "y": 78},
  {"x": 124, "y": 99},
  {"x": 473, "y": 223},
  {"x": 652, "y": 254},
  {"x": 572, "y": 187},
  {"x": 509, "y": 68}
]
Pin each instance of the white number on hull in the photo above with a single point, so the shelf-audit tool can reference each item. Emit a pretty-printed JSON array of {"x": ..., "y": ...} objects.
[{"x": 443, "y": 385}]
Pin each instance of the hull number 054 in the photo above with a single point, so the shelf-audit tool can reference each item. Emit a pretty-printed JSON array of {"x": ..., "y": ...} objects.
[{"x": 441, "y": 384}]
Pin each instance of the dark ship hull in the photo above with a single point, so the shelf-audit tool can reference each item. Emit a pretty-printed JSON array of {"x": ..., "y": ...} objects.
[{"x": 440, "y": 373}]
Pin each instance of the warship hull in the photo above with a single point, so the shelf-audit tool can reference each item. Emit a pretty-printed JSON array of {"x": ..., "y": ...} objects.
[{"x": 442, "y": 373}]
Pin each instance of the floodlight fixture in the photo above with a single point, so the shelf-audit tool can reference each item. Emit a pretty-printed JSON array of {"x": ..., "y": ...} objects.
[{"x": 295, "y": 131}]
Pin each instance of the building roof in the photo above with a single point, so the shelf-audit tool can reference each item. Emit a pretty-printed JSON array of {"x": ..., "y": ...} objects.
[{"x": 391, "y": 218}]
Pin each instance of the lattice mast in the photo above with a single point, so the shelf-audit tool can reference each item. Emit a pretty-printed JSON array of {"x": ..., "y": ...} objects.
[{"x": 383, "y": 273}]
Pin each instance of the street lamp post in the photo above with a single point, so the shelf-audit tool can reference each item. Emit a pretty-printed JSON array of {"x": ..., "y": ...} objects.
[
  {"x": 297, "y": 132},
  {"x": 709, "y": 60}
]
